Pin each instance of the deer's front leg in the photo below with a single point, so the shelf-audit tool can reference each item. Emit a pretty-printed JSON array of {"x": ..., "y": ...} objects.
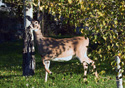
[{"x": 46, "y": 66}]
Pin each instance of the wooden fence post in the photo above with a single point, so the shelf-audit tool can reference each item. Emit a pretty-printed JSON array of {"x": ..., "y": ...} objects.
[{"x": 119, "y": 73}]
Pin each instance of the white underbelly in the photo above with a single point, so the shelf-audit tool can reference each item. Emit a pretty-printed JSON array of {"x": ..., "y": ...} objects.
[{"x": 62, "y": 59}]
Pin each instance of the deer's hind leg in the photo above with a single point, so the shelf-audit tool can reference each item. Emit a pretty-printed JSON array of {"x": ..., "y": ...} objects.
[
  {"x": 94, "y": 66},
  {"x": 82, "y": 57},
  {"x": 85, "y": 61},
  {"x": 85, "y": 65},
  {"x": 89, "y": 61}
]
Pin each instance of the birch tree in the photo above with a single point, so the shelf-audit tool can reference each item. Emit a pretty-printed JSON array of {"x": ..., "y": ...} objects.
[{"x": 28, "y": 50}]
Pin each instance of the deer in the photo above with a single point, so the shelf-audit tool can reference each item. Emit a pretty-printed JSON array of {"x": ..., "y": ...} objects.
[{"x": 51, "y": 49}]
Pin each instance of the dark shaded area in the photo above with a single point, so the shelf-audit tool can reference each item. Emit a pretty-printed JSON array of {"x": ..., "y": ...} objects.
[
  {"x": 11, "y": 26},
  {"x": 10, "y": 76},
  {"x": 11, "y": 54},
  {"x": 52, "y": 27}
]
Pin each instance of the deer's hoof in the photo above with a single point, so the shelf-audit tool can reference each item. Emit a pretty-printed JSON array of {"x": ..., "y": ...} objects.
[
  {"x": 86, "y": 82},
  {"x": 50, "y": 73}
]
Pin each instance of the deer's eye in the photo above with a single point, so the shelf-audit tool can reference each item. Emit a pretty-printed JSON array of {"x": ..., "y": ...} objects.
[{"x": 36, "y": 22}]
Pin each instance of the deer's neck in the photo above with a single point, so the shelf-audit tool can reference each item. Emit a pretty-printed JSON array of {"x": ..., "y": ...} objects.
[{"x": 39, "y": 36}]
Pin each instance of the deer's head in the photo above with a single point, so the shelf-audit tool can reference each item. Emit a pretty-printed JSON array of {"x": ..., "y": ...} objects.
[{"x": 35, "y": 25}]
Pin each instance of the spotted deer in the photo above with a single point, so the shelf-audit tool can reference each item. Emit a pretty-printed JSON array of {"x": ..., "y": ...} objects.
[{"x": 65, "y": 49}]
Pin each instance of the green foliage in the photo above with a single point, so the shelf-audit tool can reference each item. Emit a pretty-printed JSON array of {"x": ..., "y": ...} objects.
[{"x": 105, "y": 19}]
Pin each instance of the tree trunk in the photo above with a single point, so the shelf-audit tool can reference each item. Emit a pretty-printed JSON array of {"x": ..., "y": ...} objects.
[
  {"x": 38, "y": 9},
  {"x": 1, "y": 1},
  {"x": 41, "y": 17},
  {"x": 119, "y": 73},
  {"x": 43, "y": 21},
  {"x": 28, "y": 50}
]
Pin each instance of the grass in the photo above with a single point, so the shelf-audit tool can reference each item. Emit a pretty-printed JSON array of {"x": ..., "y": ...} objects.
[{"x": 65, "y": 74}]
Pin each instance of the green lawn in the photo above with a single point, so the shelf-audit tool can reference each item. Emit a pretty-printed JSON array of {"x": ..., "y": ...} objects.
[{"x": 65, "y": 74}]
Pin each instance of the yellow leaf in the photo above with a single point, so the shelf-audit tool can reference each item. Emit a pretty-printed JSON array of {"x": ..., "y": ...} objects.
[
  {"x": 87, "y": 24},
  {"x": 80, "y": 1},
  {"x": 92, "y": 5},
  {"x": 92, "y": 15},
  {"x": 117, "y": 44},
  {"x": 82, "y": 7},
  {"x": 51, "y": 4},
  {"x": 104, "y": 6},
  {"x": 46, "y": 6},
  {"x": 119, "y": 54},
  {"x": 102, "y": 72},
  {"x": 104, "y": 37},
  {"x": 114, "y": 36},
  {"x": 41, "y": 7},
  {"x": 104, "y": 23},
  {"x": 59, "y": 3},
  {"x": 100, "y": 13},
  {"x": 50, "y": 10},
  {"x": 34, "y": 4},
  {"x": 116, "y": 22},
  {"x": 82, "y": 30},
  {"x": 88, "y": 8},
  {"x": 100, "y": 55},
  {"x": 111, "y": 41},
  {"x": 108, "y": 47},
  {"x": 70, "y": 1}
]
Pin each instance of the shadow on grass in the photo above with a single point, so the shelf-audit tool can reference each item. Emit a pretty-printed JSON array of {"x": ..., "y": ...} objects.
[
  {"x": 10, "y": 76},
  {"x": 11, "y": 54}
]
